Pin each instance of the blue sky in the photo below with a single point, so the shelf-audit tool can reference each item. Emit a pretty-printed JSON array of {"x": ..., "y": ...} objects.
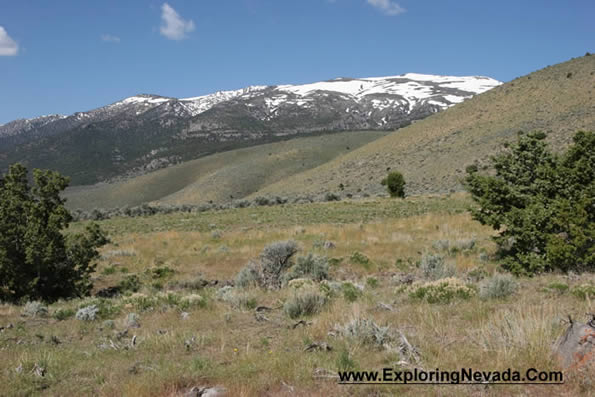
[{"x": 67, "y": 56}]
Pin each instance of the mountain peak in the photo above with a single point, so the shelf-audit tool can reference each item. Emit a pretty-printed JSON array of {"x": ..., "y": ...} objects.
[{"x": 172, "y": 130}]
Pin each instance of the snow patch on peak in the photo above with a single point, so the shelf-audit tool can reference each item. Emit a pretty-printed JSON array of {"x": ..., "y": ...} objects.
[
  {"x": 148, "y": 99},
  {"x": 200, "y": 104}
]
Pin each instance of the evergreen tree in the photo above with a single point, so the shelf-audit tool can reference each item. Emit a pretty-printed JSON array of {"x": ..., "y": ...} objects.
[
  {"x": 36, "y": 260},
  {"x": 395, "y": 184},
  {"x": 541, "y": 204}
]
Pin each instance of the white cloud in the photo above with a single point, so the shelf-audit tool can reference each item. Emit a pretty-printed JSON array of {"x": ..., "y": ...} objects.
[
  {"x": 387, "y": 6},
  {"x": 8, "y": 47},
  {"x": 110, "y": 38},
  {"x": 172, "y": 25}
]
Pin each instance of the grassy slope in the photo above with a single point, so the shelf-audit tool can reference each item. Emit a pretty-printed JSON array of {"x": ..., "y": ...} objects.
[
  {"x": 222, "y": 344},
  {"x": 433, "y": 153},
  {"x": 236, "y": 173}
]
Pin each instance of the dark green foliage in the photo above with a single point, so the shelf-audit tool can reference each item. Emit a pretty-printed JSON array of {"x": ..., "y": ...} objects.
[
  {"x": 542, "y": 204},
  {"x": 160, "y": 272},
  {"x": 130, "y": 284},
  {"x": 63, "y": 314},
  {"x": 350, "y": 292},
  {"x": 36, "y": 260},
  {"x": 395, "y": 184},
  {"x": 360, "y": 259}
]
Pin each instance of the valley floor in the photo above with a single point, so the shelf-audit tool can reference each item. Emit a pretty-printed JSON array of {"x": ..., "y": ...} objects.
[{"x": 181, "y": 329}]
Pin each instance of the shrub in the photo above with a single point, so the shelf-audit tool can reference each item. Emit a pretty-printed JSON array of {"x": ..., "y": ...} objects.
[
  {"x": 332, "y": 197},
  {"x": 261, "y": 201},
  {"x": 335, "y": 261},
  {"x": 132, "y": 320},
  {"x": 304, "y": 304},
  {"x": 130, "y": 284},
  {"x": 63, "y": 314},
  {"x": 117, "y": 253},
  {"x": 330, "y": 288},
  {"x": 372, "y": 282},
  {"x": 350, "y": 292},
  {"x": 223, "y": 292},
  {"x": 195, "y": 283},
  {"x": 87, "y": 313},
  {"x": 366, "y": 331},
  {"x": 275, "y": 259},
  {"x": 237, "y": 299},
  {"x": 441, "y": 245},
  {"x": 192, "y": 300},
  {"x": 360, "y": 259},
  {"x": 34, "y": 309},
  {"x": 462, "y": 245},
  {"x": 441, "y": 291},
  {"x": 584, "y": 291},
  {"x": 311, "y": 266},
  {"x": 434, "y": 267},
  {"x": 299, "y": 283},
  {"x": 248, "y": 276},
  {"x": 109, "y": 270},
  {"x": 477, "y": 274},
  {"x": 108, "y": 324},
  {"x": 395, "y": 184},
  {"x": 37, "y": 261},
  {"x": 160, "y": 272},
  {"x": 557, "y": 287},
  {"x": 541, "y": 204},
  {"x": 498, "y": 286},
  {"x": 142, "y": 302}
]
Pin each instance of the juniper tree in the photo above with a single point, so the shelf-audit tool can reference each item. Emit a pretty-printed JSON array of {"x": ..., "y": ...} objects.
[
  {"x": 395, "y": 184},
  {"x": 542, "y": 204},
  {"x": 37, "y": 261}
]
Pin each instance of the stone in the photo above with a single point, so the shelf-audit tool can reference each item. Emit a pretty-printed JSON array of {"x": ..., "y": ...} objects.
[{"x": 576, "y": 347}]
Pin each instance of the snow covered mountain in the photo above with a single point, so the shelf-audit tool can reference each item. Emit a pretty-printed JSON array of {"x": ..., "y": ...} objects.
[{"x": 154, "y": 131}]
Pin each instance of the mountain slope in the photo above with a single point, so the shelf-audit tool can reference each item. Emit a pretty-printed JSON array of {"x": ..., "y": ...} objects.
[
  {"x": 221, "y": 176},
  {"x": 433, "y": 153},
  {"x": 146, "y": 132}
]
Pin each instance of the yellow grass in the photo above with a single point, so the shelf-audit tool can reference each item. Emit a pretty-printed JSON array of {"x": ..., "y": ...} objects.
[{"x": 230, "y": 347}]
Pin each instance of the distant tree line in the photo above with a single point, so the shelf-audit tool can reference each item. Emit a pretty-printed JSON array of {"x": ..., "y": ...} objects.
[{"x": 155, "y": 209}]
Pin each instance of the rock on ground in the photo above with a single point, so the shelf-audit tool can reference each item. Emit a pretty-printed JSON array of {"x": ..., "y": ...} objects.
[{"x": 576, "y": 347}]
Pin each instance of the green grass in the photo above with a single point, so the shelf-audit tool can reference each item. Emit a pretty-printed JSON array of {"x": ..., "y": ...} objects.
[
  {"x": 348, "y": 211},
  {"x": 221, "y": 176}
]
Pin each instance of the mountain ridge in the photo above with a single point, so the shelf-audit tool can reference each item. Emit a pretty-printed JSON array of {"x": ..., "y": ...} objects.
[
  {"x": 434, "y": 152},
  {"x": 431, "y": 153},
  {"x": 146, "y": 132}
]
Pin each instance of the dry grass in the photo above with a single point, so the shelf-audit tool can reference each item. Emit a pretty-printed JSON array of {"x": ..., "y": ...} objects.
[
  {"x": 433, "y": 153},
  {"x": 222, "y": 344},
  {"x": 236, "y": 173}
]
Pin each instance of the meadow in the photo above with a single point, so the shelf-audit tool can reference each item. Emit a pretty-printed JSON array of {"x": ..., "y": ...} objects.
[{"x": 179, "y": 323}]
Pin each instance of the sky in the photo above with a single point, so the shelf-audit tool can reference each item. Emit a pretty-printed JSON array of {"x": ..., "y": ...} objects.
[{"x": 71, "y": 55}]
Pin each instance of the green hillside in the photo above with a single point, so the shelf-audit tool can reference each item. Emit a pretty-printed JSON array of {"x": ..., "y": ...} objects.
[
  {"x": 433, "y": 153},
  {"x": 222, "y": 176}
]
